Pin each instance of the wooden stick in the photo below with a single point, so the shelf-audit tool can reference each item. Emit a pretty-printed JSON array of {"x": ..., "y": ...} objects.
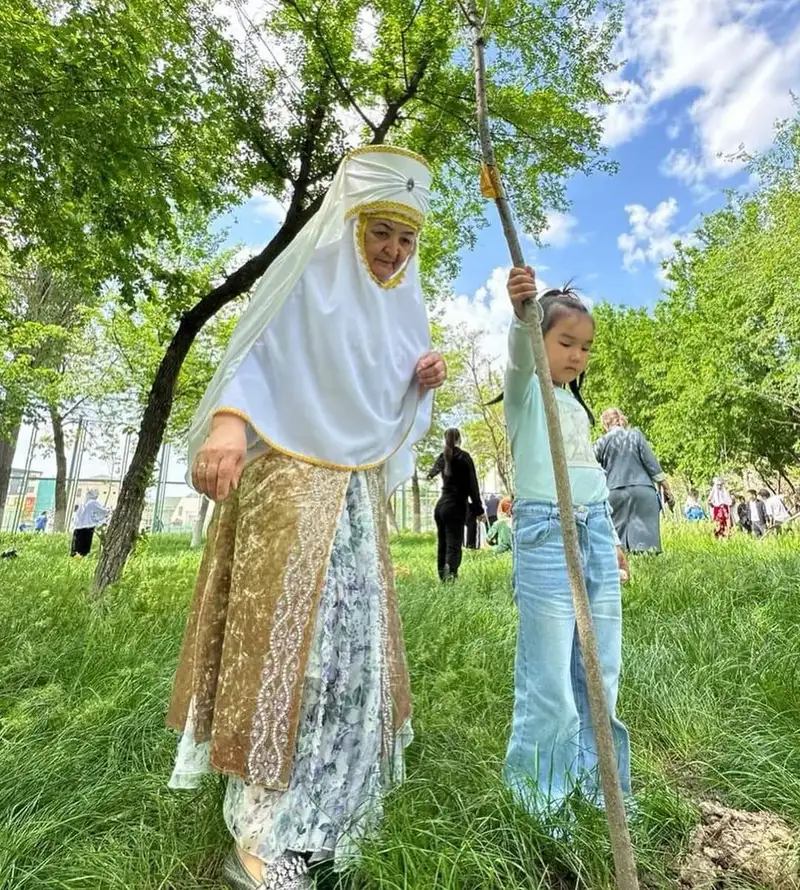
[{"x": 624, "y": 863}]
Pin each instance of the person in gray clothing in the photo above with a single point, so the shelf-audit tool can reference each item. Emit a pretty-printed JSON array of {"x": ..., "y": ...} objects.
[{"x": 633, "y": 475}]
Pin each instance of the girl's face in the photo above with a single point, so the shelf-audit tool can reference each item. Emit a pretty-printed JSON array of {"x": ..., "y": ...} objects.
[
  {"x": 387, "y": 246},
  {"x": 567, "y": 344}
]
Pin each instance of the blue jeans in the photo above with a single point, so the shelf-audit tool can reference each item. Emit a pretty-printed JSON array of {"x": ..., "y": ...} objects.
[{"x": 552, "y": 748}]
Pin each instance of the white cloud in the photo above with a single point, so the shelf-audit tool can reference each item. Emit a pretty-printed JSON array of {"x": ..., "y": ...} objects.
[
  {"x": 625, "y": 119},
  {"x": 267, "y": 207},
  {"x": 682, "y": 165},
  {"x": 488, "y": 310},
  {"x": 740, "y": 74},
  {"x": 674, "y": 130},
  {"x": 560, "y": 229},
  {"x": 651, "y": 238}
]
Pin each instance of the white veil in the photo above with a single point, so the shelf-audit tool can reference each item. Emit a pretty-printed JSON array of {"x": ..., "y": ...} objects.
[{"x": 336, "y": 304}]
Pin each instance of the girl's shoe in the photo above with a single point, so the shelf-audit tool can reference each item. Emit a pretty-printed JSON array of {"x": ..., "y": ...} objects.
[{"x": 288, "y": 872}]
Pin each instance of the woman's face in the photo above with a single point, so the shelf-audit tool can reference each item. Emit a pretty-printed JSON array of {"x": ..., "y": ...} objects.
[{"x": 387, "y": 245}]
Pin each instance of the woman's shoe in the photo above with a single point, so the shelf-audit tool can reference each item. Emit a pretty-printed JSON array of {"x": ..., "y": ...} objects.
[{"x": 288, "y": 872}]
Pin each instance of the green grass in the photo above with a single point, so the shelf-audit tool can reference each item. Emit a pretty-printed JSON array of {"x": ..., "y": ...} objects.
[{"x": 710, "y": 692}]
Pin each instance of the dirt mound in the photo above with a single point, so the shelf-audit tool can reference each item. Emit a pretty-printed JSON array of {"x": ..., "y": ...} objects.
[{"x": 732, "y": 847}]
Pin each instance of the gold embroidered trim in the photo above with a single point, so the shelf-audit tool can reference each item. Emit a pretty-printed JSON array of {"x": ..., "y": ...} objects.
[
  {"x": 315, "y": 461},
  {"x": 273, "y": 733},
  {"x": 389, "y": 283},
  {"x": 388, "y": 149},
  {"x": 397, "y": 211}
]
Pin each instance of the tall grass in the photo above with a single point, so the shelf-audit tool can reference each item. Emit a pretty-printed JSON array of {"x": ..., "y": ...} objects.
[{"x": 710, "y": 693}]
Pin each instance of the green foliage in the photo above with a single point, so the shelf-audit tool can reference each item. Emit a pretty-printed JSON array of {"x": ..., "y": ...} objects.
[
  {"x": 713, "y": 374},
  {"x": 111, "y": 120},
  {"x": 41, "y": 316},
  {"x": 708, "y": 692},
  {"x": 122, "y": 118}
]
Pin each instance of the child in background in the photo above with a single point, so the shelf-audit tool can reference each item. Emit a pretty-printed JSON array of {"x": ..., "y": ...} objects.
[
  {"x": 552, "y": 748},
  {"x": 499, "y": 535},
  {"x": 693, "y": 511}
]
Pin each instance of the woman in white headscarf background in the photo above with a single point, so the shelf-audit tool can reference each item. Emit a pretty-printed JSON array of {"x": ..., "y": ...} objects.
[
  {"x": 88, "y": 517},
  {"x": 292, "y": 677},
  {"x": 720, "y": 502}
]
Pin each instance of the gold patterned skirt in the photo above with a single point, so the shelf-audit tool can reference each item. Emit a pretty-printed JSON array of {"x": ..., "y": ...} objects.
[{"x": 253, "y": 626}]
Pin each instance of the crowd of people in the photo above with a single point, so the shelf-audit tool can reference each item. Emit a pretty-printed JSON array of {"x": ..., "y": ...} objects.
[{"x": 754, "y": 513}]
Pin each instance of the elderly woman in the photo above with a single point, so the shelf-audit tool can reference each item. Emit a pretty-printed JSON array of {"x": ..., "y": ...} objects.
[
  {"x": 633, "y": 475},
  {"x": 292, "y": 679}
]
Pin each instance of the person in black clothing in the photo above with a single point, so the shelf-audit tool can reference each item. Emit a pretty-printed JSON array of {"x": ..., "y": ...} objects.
[
  {"x": 471, "y": 523},
  {"x": 740, "y": 513},
  {"x": 758, "y": 514},
  {"x": 460, "y": 492}
]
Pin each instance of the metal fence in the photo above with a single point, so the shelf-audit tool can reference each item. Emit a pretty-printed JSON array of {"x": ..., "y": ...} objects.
[{"x": 170, "y": 504}]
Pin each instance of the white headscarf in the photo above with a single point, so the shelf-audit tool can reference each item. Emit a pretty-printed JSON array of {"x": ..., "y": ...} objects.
[
  {"x": 91, "y": 513},
  {"x": 719, "y": 497},
  {"x": 322, "y": 362}
]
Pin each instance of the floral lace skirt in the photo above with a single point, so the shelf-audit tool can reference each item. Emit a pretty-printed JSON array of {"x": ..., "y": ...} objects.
[{"x": 343, "y": 765}]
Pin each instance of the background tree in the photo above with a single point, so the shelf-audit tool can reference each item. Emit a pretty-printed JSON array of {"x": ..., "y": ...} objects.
[
  {"x": 484, "y": 424},
  {"x": 41, "y": 312}
]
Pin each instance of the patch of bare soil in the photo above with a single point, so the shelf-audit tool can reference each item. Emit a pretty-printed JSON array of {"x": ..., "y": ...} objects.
[{"x": 732, "y": 847}]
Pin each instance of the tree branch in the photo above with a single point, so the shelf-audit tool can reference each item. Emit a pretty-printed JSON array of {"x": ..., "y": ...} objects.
[
  {"x": 394, "y": 107},
  {"x": 316, "y": 33}
]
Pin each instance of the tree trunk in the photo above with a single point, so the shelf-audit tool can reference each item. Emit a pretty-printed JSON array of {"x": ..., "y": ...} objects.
[
  {"x": 8, "y": 446},
  {"x": 199, "y": 525},
  {"x": 416, "y": 502},
  {"x": 124, "y": 525},
  {"x": 60, "y": 514}
]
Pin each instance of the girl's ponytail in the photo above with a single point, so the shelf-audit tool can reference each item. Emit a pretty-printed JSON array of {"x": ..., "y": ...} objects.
[{"x": 451, "y": 438}]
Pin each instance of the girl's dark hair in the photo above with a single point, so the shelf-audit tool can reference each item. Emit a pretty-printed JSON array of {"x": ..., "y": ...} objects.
[
  {"x": 555, "y": 304},
  {"x": 451, "y": 438}
]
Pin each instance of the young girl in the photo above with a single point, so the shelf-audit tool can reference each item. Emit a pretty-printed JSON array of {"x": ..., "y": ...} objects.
[
  {"x": 552, "y": 749},
  {"x": 499, "y": 535}
]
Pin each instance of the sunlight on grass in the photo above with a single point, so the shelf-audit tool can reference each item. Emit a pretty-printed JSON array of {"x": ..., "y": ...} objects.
[{"x": 710, "y": 692}]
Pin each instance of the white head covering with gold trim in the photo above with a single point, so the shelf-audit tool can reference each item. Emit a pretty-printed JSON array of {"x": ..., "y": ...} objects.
[{"x": 322, "y": 362}]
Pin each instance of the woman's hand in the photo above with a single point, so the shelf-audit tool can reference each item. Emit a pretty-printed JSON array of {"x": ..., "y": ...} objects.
[
  {"x": 624, "y": 569},
  {"x": 220, "y": 461},
  {"x": 521, "y": 287},
  {"x": 431, "y": 371}
]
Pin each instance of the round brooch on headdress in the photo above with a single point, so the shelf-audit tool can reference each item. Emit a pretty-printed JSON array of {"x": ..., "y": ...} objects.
[{"x": 410, "y": 185}]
